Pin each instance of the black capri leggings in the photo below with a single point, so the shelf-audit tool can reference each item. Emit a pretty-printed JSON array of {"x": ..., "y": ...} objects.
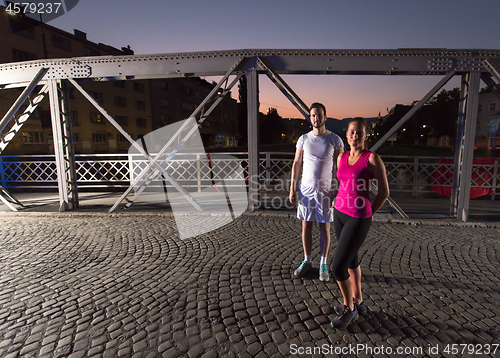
[{"x": 351, "y": 232}]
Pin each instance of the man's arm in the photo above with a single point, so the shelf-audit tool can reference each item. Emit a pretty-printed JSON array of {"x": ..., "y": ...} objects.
[{"x": 297, "y": 164}]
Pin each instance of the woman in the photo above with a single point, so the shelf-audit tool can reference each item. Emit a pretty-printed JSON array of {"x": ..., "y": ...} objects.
[{"x": 357, "y": 169}]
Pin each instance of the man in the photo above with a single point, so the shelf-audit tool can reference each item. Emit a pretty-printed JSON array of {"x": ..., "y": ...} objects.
[{"x": 318, "y": 150}]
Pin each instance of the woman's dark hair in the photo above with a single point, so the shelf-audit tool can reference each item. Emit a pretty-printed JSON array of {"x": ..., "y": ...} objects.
[
  {"x": 318, "y": 105},
  {"x": 361, "y": 121}
]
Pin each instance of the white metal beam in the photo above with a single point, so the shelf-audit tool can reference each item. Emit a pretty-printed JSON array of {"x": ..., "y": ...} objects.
[
  {"x": 9, "y": 135},
  {"x": 216, "y": 63},
  {"x": 457, "y": 167},
  {"x": 468, "y": 146},
  {"x": 57, "y": 132},
  {"x": 253, "y": 138},
  {"x": 284, "y": 87},
  {"x": 22, "y": 97}
]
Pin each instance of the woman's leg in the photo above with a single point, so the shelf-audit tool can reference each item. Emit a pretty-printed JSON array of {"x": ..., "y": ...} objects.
[
  {"x": 355, "y": 277},
  {"x": 345, "y": 267}
]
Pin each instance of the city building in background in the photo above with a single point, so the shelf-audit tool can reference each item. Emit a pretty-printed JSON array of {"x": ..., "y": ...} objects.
[
  {"x": 488, "y": 122},
  {"x": 139, "y": 106}
]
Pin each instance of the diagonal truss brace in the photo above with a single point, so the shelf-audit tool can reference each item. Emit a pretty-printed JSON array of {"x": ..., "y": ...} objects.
[
  {"x": 199, "y": 110},
  {"x": 7, "y": 137},
  {"x": 492, "y": 68},
  {"x": 405, "y": 119},
  {"x": 415, "y": 108},
  {"x": 203, "y": 116},
  {"x": 7, "y": 198},
  {"x": 127, "y": 136},
  {"x": 283, "y": 86},
  {"x": 494, "y": 71}
]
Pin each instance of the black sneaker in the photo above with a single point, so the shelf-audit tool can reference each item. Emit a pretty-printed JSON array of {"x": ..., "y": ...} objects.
[
  {"x": 303, "y": 269},
  {"x": 361, "y": 307},
  {"x": 344, "y": 317}
]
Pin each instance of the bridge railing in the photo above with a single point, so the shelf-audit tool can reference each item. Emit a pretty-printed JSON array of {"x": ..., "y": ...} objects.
[{"x": 101, "y": 171}]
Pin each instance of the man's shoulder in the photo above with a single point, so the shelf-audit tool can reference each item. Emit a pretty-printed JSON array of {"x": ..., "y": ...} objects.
[
  {"x": 335, "y": 138},
  {"x": 305, "y": 135}
]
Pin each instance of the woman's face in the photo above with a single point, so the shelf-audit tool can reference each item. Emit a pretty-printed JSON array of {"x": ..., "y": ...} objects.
[{"x": 356, "y": 135}]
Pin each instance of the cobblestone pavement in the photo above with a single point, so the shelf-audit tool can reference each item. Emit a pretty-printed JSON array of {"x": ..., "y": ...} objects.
[{"x": 125, "y": 285}]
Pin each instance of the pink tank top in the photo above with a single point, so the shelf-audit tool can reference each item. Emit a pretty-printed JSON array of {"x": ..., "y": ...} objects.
[{"x": 353, "y": 198}]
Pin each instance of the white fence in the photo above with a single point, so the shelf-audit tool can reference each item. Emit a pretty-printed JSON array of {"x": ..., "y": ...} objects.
[{"x": 405, "y": 174}]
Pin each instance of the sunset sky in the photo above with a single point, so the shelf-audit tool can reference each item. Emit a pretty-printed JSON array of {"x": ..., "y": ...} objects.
[{"x": 153, "y": 27}]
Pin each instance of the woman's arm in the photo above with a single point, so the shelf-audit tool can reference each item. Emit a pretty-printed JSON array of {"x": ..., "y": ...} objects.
[{"x": 378, "y": 169}]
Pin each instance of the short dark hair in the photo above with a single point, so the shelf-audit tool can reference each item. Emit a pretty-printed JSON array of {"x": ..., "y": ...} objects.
[
  {"x": 318, "y": 105},
  {"x": 361, "y": 121}
]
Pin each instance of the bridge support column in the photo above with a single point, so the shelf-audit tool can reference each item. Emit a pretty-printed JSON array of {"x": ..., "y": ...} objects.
[
  {"x": 63, "y": 146},
  {"x": 464, "y": 145},
  {"x": 253, "y": 138}
]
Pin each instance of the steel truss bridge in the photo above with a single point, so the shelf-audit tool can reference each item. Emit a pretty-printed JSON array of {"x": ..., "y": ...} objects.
[{"x": 51, "y": 77}]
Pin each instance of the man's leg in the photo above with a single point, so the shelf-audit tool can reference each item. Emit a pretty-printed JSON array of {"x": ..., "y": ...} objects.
[
  {"x": 307, "y": 237},
  {"x": 305, "y": 266},
  {"x": 324, "y": 239},
  {"x": 324, "y": 245}
]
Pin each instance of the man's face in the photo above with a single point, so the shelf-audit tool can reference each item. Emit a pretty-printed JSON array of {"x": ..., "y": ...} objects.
[{"x": 318, "y": 117}]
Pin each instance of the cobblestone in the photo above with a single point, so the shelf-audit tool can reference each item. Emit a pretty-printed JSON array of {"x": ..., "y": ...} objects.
[{"x": 126, "y": 285}]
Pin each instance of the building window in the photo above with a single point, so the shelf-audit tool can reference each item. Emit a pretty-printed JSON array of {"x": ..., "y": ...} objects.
[
  {"x": 478, "y": 125},
  {"x": 120, "y": 101},
  {"x": 119, "y": 84},
  {"x": 140, "y": 104},
  {"x": 75, "y": 119},
  {"x": 163, "y": 85},
  {"x": 121, "y": 120},
  {"x": 76, "y": 137},
  {"x": 138, "y": 87},
  {"x": 163, "y": 102},
  {"x": 187, "y": 91},
  {"x": 198, "y": 94},
  {"x": 187, "y": 106},
  {"x": 140, "y": 122},
  {"x": 61, "y": 43},
  {"x": 493, "y": 107},
  {"x": 22, "y": 29},
  {"x": 97, "y": 96},
  {"x": 120, "y": 138},
  {"x": 19, "y": 55},
  {"x": 163, "y": 119},
  {"x": 71, "y": 93},
  {"x": 480, "y": 108},
  {"x": 34, "y": 114},
  {"x": 99, "y": 137},
  {"x": 96, "y": 118},
  {"x": 87, "y": 51},
  {"x": 34, "y": 137}
]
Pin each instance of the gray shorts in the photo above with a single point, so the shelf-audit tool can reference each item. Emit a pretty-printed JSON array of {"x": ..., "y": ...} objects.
[{"x": 315, "y": 204}]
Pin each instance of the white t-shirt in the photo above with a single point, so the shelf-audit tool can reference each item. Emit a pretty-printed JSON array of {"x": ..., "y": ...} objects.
[{"x": 318, "y": 158}]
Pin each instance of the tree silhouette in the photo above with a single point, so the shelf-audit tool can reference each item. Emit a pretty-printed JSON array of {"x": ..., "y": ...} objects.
[
  {"x": 242, "y": 111},
  {"x": 271, "y": 127}
]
